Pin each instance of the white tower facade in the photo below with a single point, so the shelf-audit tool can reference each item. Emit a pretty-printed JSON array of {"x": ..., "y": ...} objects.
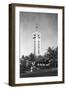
[{"x": 37, "y": 43}]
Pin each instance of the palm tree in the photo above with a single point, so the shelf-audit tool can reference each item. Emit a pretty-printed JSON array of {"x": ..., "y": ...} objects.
[{"x": 32, "y": 57}]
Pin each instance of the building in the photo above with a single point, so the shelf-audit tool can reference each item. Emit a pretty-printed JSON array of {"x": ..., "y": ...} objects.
[{"x": 37, "y": 42}]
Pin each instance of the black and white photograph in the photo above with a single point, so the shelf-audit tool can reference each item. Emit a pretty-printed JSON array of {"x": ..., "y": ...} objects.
[{"x": 38, "y": 44}]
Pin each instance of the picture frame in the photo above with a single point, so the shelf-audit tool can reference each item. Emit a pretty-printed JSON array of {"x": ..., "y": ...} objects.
[{"x": 36, "y": 44}]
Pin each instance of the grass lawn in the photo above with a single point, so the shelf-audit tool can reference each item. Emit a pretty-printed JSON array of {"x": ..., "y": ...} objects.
[{"x": 39, "y": 73}]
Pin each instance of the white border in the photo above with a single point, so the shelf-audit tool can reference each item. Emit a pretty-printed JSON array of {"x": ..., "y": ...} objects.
[{"x": 37, "y": 79}]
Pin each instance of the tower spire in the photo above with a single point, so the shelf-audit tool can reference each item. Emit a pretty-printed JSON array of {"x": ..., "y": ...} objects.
[{"x": 36, "y": 27}]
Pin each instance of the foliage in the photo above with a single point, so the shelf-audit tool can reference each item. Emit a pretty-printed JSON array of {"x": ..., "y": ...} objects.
[{"x": 48, "y": 60}]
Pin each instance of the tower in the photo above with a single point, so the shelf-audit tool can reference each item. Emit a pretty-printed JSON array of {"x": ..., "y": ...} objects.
[{"x": 37, "y": 42}]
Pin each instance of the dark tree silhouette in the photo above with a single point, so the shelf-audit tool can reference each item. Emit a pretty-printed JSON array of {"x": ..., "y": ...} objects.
[{"x": 32, "y": 63}]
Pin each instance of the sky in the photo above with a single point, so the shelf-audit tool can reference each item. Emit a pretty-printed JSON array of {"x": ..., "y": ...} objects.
[{"x": 47, "y": 26}]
